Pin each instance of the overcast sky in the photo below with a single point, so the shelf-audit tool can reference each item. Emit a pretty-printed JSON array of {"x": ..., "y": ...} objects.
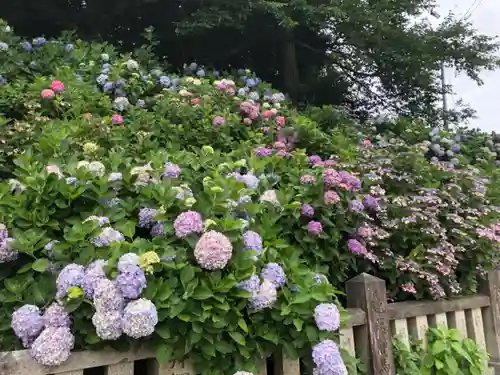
[{"x": 484, "y": 99}]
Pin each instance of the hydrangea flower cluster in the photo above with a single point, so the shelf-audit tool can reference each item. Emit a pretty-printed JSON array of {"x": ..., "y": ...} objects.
[
  {"x": 7, "y": 254},
  {"x": 326, "y": 356},
  {"x": 213, "y": 250}
]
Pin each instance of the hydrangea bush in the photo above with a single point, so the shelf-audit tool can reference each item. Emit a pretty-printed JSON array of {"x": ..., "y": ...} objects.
[{"x": 200, "y": 215}]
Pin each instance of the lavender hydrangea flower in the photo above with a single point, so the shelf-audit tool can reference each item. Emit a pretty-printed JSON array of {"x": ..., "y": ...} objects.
[
  {"x": 252, "y": 241},
  {"x": 327, "y": 317},
  {"x": 356, "y": 247},
  {"x": 307, "y": 210},
  {"x": 107, "y": 296},
  {"x": 56, "y": 316},
  {"x": 139, "y": 318},
  {"x": 274, "y": 273},
  {"x": 371, "y": 203},
  {"x": 107, "y": 237},
  {"x": 93, "y": 274},
  {"x": 53, "y": 346},
  {"x": 108, "y": 324},
  {"x": 70, "y": 276},
  {"x": 27, "y": 323},
  {"x": 49, "y": 247},
  {"x": 146, "y": 217},
  {"x": 356, "y": 206},
  {"x": 251, "y": 181},
  {"x": 115, "y": 176},
  {"x": 265, "y": 297},
  {"x": 7, "y": 254},
  {"x": 213, "y": 250},
  {"x": 131, "y": 281},
  {"x": 101, "y": 220},
  {"x": 171, "y": 170},
  {"x": 251, "y": 285},
  {"x": 326, "y": 356},
  {"x": 127, "y": 260},
  {"x": 243, "y": 373},
  {"x": 270, "y": 197},
  {"x": 187, "y": 223}
]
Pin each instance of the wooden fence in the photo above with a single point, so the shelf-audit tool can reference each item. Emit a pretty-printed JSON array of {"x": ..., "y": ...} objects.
[{"x": 367, "y": 334}]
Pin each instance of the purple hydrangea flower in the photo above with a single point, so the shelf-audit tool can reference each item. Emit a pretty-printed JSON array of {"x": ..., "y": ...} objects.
[
  {"x": 274, "y": 273},
  {"x": 371, "y": 203},
  {"x": 252, "y": 241},
  {"x": 307, "y": 210},
  {"x": 158, "y": 230},
  {"x": 146, "y": 217},
  {"x": 27, "y": 323},
  {"x": 327, "y": 317},
  {"x": 107, "y": 296},
  {"x": 107, "y": 237},
  {"x": 265, "y": 297},
  {"x": 53, "y": 346},
  {"x": 213, "y": 250},
  {"x": 56, "y": 316},
  {"x": 126, "y": 260},
  {"x": 314, "y": 228},
  {"x": 314, "y": 159},
  {"x": 131, "y": 281},
  {"x": 263, "y": 152},
  {"x": 356, "y": 206},
  {"x": 101, "y": 220},
  {"x": 139, "y": 318},
  {"x": 93, "y": 274},
  {"x": 108, "y": 324},
  {"x": 356, "y": 247},
  {"x": 251, "y": 285},
  {"x": 187, "y": 223},
  {"x": 171, "y": 170},
  {"x": 71, "y": 275},
  {"x": 326, "y": 356}
]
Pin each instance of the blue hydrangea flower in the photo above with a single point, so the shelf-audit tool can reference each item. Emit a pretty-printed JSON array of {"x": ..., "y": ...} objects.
[
  {"x": 107, "y": 296},
  {"x": 107, "y": 237},
  {"x": 146, "y": 217},
  {"x": 4, "y": 46},
  {"x": 102, "y": 79},
  {"x": 251, "y": 181},
  {"x": 127, "y": 260},
  {"x": 69, "y": 47},
  {"x": 56, "y": 316},
  {"x": 274, "y": 273},
  {"x": 131, "y": 281},
  {"x": 27, "y": 46},
  {"x": 139, "y": 318},
  {"x": 265, "y": 297},
  {"x": 40, "y": 41},
  {"x": 53, "y": 346},
  {"x": 327, "y": 317},
  {"x": 70, "y": 276},
  {"x": 108, "y": 87},
  {"x": 252, "y": 241},
  {"x": 251, "y": 285},
  {"x": 164, "y": 81},
  {"x": 94, "y": 273},
  {"x": 27, "y": 323}
]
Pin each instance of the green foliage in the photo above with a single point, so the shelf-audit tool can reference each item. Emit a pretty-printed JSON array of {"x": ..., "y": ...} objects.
[{"x": 446, "y": 353}]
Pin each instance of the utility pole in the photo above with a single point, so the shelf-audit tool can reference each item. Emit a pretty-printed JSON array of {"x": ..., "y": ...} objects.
[{"x": 443, "y": 93}]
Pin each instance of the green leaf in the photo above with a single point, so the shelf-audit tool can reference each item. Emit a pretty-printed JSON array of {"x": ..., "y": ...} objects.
[
  {"x": 238, "y": 337},
  {"x": 243, "y": 325},
  {"x": 451, "y": 364},
  {"x": 177, "y": 309},
  {"x": 202, "y": 293},
  {"x": 298, "y": 324},
  {"x": 439, "y": 365},
  {"x": 438, "y": 347},
  {"x": 224, "y": 347},
  {"x": 187, "y": 274},
  {"x": 301, "y": 298},
  {"x": 40, "y": 265},
  {"x": 457, "y": 348},
  {"x": 164, "y": 353},
  {"x": 127, "y": 228}
]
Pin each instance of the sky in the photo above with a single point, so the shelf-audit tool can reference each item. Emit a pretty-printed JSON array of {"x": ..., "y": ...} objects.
[{"x": 484, "y": 99}]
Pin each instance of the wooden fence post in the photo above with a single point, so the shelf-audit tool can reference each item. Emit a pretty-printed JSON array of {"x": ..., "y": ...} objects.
[
  {"x": 368, "y": 293},
  {"x": 491, "y": 317}
]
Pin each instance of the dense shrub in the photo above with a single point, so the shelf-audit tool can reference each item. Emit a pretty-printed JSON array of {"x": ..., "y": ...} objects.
[{"x": 244, "y": 217}]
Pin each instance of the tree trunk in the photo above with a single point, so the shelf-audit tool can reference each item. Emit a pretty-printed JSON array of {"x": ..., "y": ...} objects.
[{"x": 290, "y": 67}]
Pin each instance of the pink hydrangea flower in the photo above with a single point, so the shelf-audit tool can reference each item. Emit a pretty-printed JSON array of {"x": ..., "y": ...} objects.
[
  {"x": 267, "y": 114},
  {"x": 57, "y": 86},
  {"x": 280, "y": 121},
  {"x": 195, "y": 101},
  {"x": 213, "y": 250},
  {"x": 247, "y": 121},
  {"x": 187, "y": 223},
  {"x": 331, "y": 197},
  {"x": 48, "y": 94},
  {"x": 218, "y": 121},
  {"x": 117, "y": 119}
]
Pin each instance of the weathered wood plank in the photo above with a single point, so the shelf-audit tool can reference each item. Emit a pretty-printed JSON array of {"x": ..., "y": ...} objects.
[
  {"x": 409, "y": 309},
  {"x": 475, "y": 328},
  {"x": 457, "y": 320},
  {"x": 491, "y": 316},
  {"x": 369, "y": 293},
  {"x": 170, "y": 368},
  {"x": 347, "y": 341},
  {"x": 285, "y": 366},
  {"x": 417, "y": 328},
  {"x": 400, "y": 328},
  {"x": 20, "y": 362},
  {"x": 126, "y": 368},
  {"x": 79, "y": 372},
  {"x": 357, "y": 317}
]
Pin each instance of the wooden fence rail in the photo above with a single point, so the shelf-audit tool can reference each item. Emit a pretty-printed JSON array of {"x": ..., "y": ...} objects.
[{"x": 368, "y": 333}]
